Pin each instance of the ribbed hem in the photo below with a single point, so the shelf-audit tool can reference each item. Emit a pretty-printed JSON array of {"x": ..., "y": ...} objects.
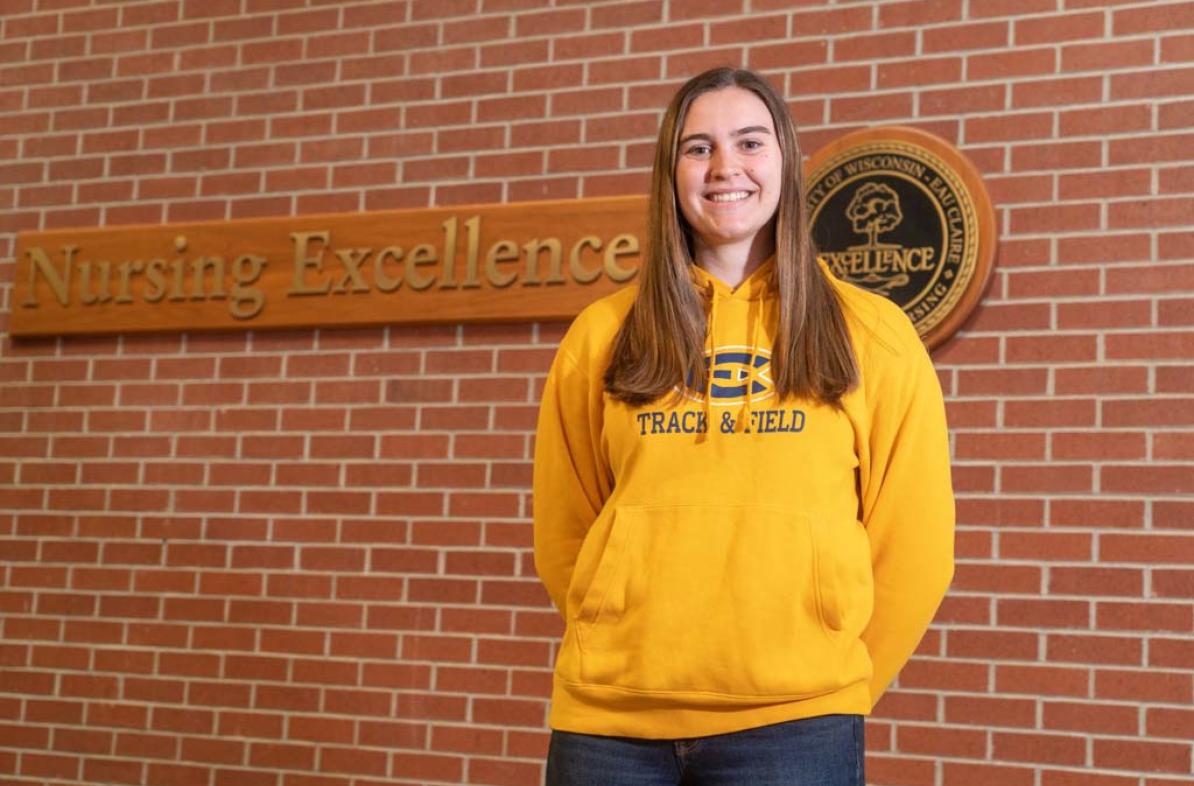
[{"x": 597, "y": 709}]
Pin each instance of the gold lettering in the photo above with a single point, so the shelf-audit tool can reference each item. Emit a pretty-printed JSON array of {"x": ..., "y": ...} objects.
[
  {"x": 926, "y": 254},
  {"x": 247, "y": 301},
  {"x": 533, "y": 248},
  {"x": 180, "y": 245},
  {"x": 126, "y": 269},
  {"x": 884, "y": 257},
  {"x": 501, "y": 251},
  {"x": 351, "y": 260},
  {"x": 867, "y": 260},
  {"x": 39, "y": 261},
  {"x": 474, "y": 244},
  {"x": 177, "y": 268},
  {"x": 620, "y": 246},
  {"x": 449, "y": 279},
  {"x": 942, "y": 191},
  {"x": 422, "y": 254},
  {"x": 580, "y": 274},
  {"x": 102, "y": 295},
  {"x": 465, "y": 256},
  {"x": 155, "y": 271},
  {"x": 199, "y": 275},
  {"x": 299, "y": 284},
  {"x": 381, "y": 279}
]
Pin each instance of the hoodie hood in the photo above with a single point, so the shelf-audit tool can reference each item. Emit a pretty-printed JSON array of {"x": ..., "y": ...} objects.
[{"x": 756, "y": 286}]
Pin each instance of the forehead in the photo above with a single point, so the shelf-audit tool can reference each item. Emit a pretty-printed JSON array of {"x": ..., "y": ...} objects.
[{"x": 727, "y": 107}]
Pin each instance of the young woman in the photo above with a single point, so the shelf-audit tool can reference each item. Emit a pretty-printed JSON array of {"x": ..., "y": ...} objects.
[{"x": 742, "y": 495}]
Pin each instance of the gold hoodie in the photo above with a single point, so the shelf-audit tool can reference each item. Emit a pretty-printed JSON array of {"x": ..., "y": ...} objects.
[{"x": 737, "y": 561}]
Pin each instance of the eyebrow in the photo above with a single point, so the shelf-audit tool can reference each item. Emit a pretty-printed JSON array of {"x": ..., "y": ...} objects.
[{"x": 739, "y": 132}]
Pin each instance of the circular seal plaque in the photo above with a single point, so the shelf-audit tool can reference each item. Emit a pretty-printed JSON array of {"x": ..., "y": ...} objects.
[{"x": 902, "y": 213}]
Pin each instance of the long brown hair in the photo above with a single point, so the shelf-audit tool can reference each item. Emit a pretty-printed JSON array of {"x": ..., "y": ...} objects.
[{"x": 660, "y": 346}]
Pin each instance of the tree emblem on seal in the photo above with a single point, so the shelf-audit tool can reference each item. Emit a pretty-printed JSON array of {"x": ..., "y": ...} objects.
[{"x": 875, "y": 209}]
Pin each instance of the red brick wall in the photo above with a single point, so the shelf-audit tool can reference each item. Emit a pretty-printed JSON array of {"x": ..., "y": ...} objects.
[{"x": 303, "y": 558}]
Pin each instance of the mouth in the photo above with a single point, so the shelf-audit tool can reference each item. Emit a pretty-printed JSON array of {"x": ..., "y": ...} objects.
[{"x": 728, "y": 196}]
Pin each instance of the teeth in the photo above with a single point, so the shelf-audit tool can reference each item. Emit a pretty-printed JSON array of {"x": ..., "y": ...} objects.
[{"x": 732, "y": 196}]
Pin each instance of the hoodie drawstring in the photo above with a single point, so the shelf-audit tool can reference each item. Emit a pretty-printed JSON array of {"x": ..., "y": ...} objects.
[
  {"x": 755, "y": 319},
  {"x": 709, "y": 341}
]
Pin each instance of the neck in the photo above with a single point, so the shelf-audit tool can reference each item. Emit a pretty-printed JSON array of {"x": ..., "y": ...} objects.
[{"x": 732, "y": 263}]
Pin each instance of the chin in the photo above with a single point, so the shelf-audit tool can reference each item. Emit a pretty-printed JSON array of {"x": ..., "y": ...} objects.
[{"x": 727, "y": 235}]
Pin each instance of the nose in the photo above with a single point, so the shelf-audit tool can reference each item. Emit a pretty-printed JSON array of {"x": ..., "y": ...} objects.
[{"x": 723, "y": 163}]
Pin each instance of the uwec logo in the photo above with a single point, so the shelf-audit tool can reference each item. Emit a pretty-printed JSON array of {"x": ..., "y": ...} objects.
[{"x": 731, "y": 368}]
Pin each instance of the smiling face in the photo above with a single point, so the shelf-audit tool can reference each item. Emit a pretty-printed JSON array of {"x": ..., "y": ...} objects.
[{"x": 729, "y": 170}]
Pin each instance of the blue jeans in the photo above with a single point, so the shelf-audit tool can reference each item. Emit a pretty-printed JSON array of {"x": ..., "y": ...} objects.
[{"x": 824, "y": 751}]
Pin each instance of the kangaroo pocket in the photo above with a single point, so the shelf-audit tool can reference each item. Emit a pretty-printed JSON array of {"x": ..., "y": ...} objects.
[{"x": 745, "y": 601}]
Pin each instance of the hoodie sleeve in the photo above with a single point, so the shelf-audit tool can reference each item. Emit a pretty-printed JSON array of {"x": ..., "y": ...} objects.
[
  {"x": 571, "y": 477},
  {"x": 907, "y": 503}
]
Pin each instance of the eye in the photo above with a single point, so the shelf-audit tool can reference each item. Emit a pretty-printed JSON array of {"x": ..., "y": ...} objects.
[
  {"x": 752, "y": 144},
  {"x": 700, "y": 149}
]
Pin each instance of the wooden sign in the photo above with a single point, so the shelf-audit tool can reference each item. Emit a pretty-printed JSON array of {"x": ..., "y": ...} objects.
[
  {"x": 895, "y": 210},
  {"x": 524, "y": 261},
  {"x": 902, "y": 213}
]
